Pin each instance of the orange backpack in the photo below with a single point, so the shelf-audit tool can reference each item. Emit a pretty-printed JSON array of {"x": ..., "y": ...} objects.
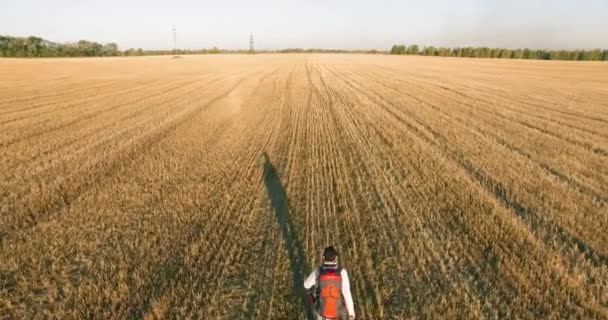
[{"x": 329, "y": 292}]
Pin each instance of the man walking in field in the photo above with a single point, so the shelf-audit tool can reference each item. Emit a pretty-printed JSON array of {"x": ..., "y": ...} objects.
[{"x": 329, "y": 284}]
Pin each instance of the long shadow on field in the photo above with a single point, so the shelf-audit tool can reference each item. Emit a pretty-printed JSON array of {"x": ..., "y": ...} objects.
[{"x": 297, "y": 259}]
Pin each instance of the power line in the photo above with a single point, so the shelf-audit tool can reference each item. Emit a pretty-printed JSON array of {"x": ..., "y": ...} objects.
[
  {"x": 251, "y": 48},
  {"x": 174, "y": 41}
]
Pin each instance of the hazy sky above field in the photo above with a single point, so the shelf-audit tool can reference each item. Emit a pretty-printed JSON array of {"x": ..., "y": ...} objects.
[{"x": 345, "y": 24}]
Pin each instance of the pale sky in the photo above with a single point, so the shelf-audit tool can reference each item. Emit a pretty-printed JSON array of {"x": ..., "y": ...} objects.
[{"x": 338, "y": 24}]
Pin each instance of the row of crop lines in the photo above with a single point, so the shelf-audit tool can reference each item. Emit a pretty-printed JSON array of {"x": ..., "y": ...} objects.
[
  {"x": 572, "y": 95},
  {"x": 85, "y": 92},
  {"x": 348, "y": 196},
  {"x": 28, "y": 86},
  {"x": 590, "y": 172},
  {"x": 297, "y": 129},
  {"x": 308, "y": 174},
  {"x": 587, "y": 176},
  {"x": 594, "y": 140},
  {"x": 75, "y": 113},
  {"x": 239, "y": 285},
  {"x": 308, "y": 192},
  {"x": 221, "y": 270},
  {"x": 87, "y": 133},
  {"x": 84, "y": 96},
  {"x": 106, "y": 220},
  {"x": 49, "y": 114},
  {"x": 370, "y": 201},
  {"x": 588, "y": 130},
  {"x": 384, "y": 164},
  {"x": 41, "y": 94},
  {"x": 390, "y": 200},
  {"x": 45, "y": 190},
  {"x": 70, "y": 142},
  {"x": 535, "y": 83},
  {"x": 578, "y": 104},
  {"x": 439, "y": 111},
  {"x": 302, "y": 178},
  {"x": 584, "y": 202},
  {"x": 217, "y": 206},
  {"x": 316, "y": 205},
  {"x": 305, "y": 161},
  {"x": 295, "y": 154},
  {"x": 508, "y": 252},
  {"x": 17, "y": 86},
  {"x": 583, "y": 115},
  {"x": 227, "y": 164},
  {"x": 291, "y": 157},
  {"x": 44, "y": 98},
  {"x": 113, "y": 103},
  {"x": 127, "y": 196},
  {"x": 580, "y": 114}
]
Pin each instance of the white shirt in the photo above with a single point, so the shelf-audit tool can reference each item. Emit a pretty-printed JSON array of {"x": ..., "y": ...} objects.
[{"x": 311, "y": 281}]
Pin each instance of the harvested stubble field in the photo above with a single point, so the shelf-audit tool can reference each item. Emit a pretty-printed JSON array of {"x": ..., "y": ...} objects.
[{"x": 206, "y": 187}]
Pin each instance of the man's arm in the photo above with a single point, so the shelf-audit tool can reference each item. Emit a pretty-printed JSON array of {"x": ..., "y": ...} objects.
[
  {"x": 348, "y": 299},
  {"x": 311, "y": 281}
]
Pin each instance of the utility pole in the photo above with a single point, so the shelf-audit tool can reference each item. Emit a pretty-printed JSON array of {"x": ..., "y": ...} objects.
[
  {"x": 174, "y": 42},
  {"x": 251, "y": 48}
]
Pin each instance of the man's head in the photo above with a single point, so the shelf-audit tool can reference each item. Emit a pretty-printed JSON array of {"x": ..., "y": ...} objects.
[{"x": 330, "y": 254}]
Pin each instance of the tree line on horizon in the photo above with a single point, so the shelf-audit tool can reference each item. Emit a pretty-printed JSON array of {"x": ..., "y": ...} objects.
[
  {"x": 501, "y": 53},
  {"x": 39, "y": 47},
  {"x": 31, "y": 47},
  {"x": 34, "y": 47}
]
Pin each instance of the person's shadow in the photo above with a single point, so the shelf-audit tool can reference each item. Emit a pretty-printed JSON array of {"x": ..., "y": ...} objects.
[{"x": 280, "y": 206}]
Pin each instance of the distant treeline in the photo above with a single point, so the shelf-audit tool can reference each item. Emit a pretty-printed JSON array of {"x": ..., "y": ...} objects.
[
  {"x": 38, "y": 47},
  {"x": 30, "y": 47},
  {"x": 485, "y": 52},
  {"x": 24, "y": 47}
]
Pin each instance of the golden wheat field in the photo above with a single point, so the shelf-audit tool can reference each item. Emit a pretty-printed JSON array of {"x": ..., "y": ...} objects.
[{"x": 206, "y": 187}]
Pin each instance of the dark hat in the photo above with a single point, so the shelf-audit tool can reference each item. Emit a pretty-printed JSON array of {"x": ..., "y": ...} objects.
[{"x": 330, "y": 253}]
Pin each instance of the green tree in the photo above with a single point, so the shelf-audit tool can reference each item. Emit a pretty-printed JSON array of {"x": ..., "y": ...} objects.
[
  {"x": 429, "y": 51},
  {"x": 396, "y": 49},
  {"x": 4, "y": 46},
  {"x": 517, "y": 54},
  {"x": 444, "y": 52},
  {"x": 475, "y": 53},
  {"x": 580, "y": 55},
  {"x": 33, "y": 46},
  {"x": 413, "y": 49},
  {"x": 109, "y": 50},
  {"x": 595, "y": 55},
  {"x": 18, "y": 47},
  {"x": 505, "y": 54},
  {"x": 484, "y": 52}
]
